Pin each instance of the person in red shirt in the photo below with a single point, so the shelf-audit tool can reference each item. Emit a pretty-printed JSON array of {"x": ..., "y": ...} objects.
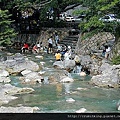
[
  {"x": 25, "y": 47},
  {"x": 35, "y": 49}
]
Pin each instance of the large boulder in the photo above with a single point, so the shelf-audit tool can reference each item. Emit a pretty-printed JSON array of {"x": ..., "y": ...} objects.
[
  {"x": 14, "y": 64},
  {"x": 4, "y": 73},
  {"x": 85, "y": 60},
  {"x": 32, "y": 78},
  {"x": 109, "y": 77},
  {"x": 4, "y": 79},
  {"x": 2, "y": 65},
  {"x": 18, "y": 67},
  {"x": 58, "y": 64},
  {"x": 20, "y": 109},
  {"x": 7, "y": 91},
  {"x": 57, "y": 76},
  {"x": 69, "y": 64},
  {"x": 5, "y": 99},
  {"x": 66, "y": 64}
]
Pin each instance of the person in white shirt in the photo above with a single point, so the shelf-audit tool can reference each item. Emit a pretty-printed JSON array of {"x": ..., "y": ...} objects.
[
  {"x": 59, "y": 47},
  {"x": 38, "y": 46},
  {"x": 107, "y": 53},
  {"x": 67, "y": 56},
  {"x": 50, "y": 45},
  {"x": 56, "y": 39},
  {"x": 69, "y": 51}
]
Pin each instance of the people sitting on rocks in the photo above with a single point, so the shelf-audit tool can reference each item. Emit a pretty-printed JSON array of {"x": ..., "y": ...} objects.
[
  {"x": 35, "y": 49},
  {"x": 67, "y": 55},
  {"x": 58, "y": 56},
  {"x": 25, "y": 48},
  {"x": 107, "y": 53},
  {"x": 77, "y": 59}
]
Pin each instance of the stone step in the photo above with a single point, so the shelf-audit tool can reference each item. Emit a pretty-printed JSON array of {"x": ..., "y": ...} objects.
[
  {"x": 70, "y": 41},
  {"x": 69, "y": 38},
  {"x": 65, "y": 42}
]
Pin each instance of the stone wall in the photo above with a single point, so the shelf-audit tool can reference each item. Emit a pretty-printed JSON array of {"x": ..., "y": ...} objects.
[
  {"x": 94, "y": 44},
  {"x": 42, "y": 36},
  {"x": 116, "y": 49}
]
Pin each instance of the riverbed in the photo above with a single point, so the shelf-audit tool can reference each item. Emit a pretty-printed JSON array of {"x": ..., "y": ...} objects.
[{"x": 53, "y": 98}]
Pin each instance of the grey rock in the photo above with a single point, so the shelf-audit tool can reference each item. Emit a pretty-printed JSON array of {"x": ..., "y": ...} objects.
[
  {"x": 109, "y": 76},
  {"x": 4, "y": 73},
  {"x": 5, "y": 79},
  {"x": 20, "y": 109}
]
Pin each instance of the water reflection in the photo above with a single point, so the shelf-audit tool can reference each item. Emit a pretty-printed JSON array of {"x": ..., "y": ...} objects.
[
  {"x": 67, "y": 87},
  {"x": 59, "y": 88}
]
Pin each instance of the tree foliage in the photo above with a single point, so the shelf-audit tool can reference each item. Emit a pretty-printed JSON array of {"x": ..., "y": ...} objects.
[
  {"x": 97, "y": 9},
  {"x": 6, "y": 32}
]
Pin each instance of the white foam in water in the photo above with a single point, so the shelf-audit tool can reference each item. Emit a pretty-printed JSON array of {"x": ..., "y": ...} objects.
[{"x": 46, "y": 80}]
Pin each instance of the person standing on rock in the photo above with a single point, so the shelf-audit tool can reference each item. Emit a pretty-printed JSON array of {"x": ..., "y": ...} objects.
[
  {"x": 50, "y": 45},
  {"x": 38, "y": 46},
  {"x": 69, "y": 51},
  {"x": 103, "y": 52},
  {"x": 56, "y": 39},
  {"x": 107, "y": 53}
]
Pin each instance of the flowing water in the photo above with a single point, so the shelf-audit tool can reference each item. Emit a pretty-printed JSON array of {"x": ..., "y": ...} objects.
[{"x": 51, "y": 98}]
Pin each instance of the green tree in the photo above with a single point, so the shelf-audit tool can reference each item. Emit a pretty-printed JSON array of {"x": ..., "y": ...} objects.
[
  {"x": 95, "y": 10},
  {"x": 6, "y": 32}
]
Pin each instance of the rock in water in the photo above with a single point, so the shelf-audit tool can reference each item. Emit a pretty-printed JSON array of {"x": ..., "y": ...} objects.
[
  {"x": 67, "y": 79},
  {"x": 70, "y": 100},
  {"x": 82, "y": 110},
  {"x": 82, "y": 74},
  {"x": 41, "y": 57}
]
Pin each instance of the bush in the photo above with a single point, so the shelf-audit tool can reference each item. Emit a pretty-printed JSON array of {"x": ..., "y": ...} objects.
[{"x": 116, "y": 60}]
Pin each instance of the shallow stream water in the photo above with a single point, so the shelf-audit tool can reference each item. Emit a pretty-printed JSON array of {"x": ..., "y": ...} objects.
[{"x": 51, "y": 98}]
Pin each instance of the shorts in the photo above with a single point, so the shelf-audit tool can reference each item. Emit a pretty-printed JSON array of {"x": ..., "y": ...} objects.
[{"x": 50, "y": 45}]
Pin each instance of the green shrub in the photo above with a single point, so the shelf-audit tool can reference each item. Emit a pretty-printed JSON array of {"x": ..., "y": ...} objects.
[{"x": 116, "y": 60}]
